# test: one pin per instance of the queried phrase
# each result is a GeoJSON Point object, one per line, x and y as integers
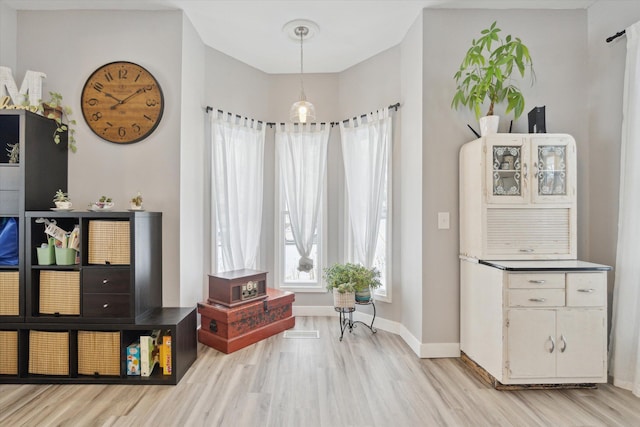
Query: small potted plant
{"type": "Point", "coordinates": [55, 110]}
{"type": "Point", "coordinates": [62, 201]}
{"type": "Point", "coordinates": [485, 75]}
{"type": "Point", "coordinates": [135, 204]}
{"type": "Point", "coordinates": [13, 151]}
{"type": "Point", "coordinates": [103, 204]}
{"type": "Point", "coordinates": [341, 278]}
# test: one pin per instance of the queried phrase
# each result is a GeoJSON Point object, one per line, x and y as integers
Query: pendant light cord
{"type": "Point", "coordinates": [302, 31]}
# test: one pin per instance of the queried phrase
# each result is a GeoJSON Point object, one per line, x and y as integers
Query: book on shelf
{"type": "Point", "coordinates": [166, 353]}
{"type": "Point", "coordinates": [149, 352]}
{"type": "Point", "coordinates": [133, 358]}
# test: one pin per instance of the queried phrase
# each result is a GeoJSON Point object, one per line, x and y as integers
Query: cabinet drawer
{"type": "Point", "coordinates": [586, 290]}
{"type": "Point", "coordinates": [537, 280]}
{"type": "Point", "coordinates": [536, 297]}
{"type": "Point", "coordinates": [106, 305]}
{"type": "Point", "coordinates": [9, 177]}
{"type": "Point", "coordinates": [106, 280]}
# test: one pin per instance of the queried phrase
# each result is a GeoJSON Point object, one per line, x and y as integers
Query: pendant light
{"type": "Point", "coordinates": [302, 111]}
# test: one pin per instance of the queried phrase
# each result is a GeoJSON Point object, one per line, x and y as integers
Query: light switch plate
{"type": "Point", "coordinates": [443, 220]}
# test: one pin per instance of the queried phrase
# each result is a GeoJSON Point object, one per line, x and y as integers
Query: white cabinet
{"type": "Point", "coordinates": [518, 197]}
{"type": "Point", "coordinates": [543, 322]}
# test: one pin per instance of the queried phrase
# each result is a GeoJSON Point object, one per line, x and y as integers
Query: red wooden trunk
{"type": "Point", "coordinates": [228, 329]}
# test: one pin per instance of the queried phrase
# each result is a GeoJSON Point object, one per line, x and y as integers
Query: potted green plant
{"type": "Point", "coordinates": [342, 277]}
{"type": "Point", "coordinates": [135, 203]}
{"type": "Point", "coordinates": [13, 151]}
{"type": "Point", "coordinates": [62, 201]}
{"type": "Point", "coordinates": [485, 74]}
{"type": "Point", "coordinates": [105, 203]}
{"type": "Point", "coordinates": [55, 110]}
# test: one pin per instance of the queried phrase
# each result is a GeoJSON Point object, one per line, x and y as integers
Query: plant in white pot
{"type": "Point", "coordinates": [342, 278]}
{"type": "Point", "coordinates": [485, 74]}
{"type": "Point", "coordinates": [62, 200]}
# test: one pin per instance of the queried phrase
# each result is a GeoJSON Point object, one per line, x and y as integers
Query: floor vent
{"type": "Point", "coordinates": [301, 334]}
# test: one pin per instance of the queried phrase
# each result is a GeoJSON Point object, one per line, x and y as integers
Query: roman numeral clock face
{"type": "Point", "coordinates": [122, 102]}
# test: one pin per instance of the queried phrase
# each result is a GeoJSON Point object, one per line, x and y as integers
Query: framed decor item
{"type": "Point", "coordinates": [122, 102]}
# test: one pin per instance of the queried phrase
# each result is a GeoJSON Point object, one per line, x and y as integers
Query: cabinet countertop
{"type": "Point", "coordinates": [542, 265]}
{"type": "Point", "coordinates": [546, 265]}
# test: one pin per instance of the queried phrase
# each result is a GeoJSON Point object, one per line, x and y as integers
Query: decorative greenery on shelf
{"type": "Point", "coordinates": [485, 73]}
{"type": "Point", "coordinates": [137, 200]}
{"type": "Point", "coordinates": [351, 276]}
{"type": "Point", "coordinates": [13, 151]}
{"type": "Point", "coordinates": [61, 196]}
{"type": "Point", "coordinates": [55, 110]}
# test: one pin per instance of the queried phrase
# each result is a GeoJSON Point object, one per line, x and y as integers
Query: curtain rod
{"type": "Point", "coordinates": [615, 36]}
{"type": "Point", "coordinates": [231, 114]}
{"type": "Point", "coordinates": [271, 124]}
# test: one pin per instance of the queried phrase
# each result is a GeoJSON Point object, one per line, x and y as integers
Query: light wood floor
{"type": "Point", "coordinates": [365, 380]}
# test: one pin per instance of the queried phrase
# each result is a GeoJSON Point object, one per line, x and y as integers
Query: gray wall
{"type": "Point", "coordinates": [8, 36]}
{"type": "Point", "coordinates": [193, 166]}
{"type": "Point", "coordinates": [411, 192]}
{"type": "Point", "coordinates": [557, 43]}
{"type": "Point", "coordinates": [606, 77]}
{"type": "Point", "coordinates": [83, 41]}
{"type": "Point", "coordinates": [579, 79]}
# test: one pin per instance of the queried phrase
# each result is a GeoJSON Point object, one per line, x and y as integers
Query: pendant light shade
{"type": "Point", "coordinates": [302, 111]}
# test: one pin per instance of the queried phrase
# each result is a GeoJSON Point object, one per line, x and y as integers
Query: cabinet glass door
{"type": "Point", "coordinates": [507, 172]}
{"type": "Point", "coordinates": [553, 177]}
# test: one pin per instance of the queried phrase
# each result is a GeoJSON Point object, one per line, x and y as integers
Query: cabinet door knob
{"type": "Point", "coordinates": [538, 282]}
{"type": "Point", "coordinates": [105, 305]}
{"type": "Point", "coordinates": [587, 291]}
{"type": "Point", "coordinates": [553, 344]}
{"type": "Point", "coordinates": [105, 281]}
{"type": "Point", "coordinates": [564, 343]}
{"type": "Point", "coordinates": [537, 299]}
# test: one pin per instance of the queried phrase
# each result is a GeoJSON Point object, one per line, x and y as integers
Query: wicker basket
{"type": "Point", "coordinates": [60, 292]}
{"type": "Point", "coordinates": [109, 242]}
{"type": "Point", "coordinates": [344, 300]}
{"type": "Point", "coordinates": [98, 353]}
{"type": "Point", "coordinates": [8, 352]}
{"type": "Point", "coordinates": [9, 293]}
{"type": "Point", "coordinates": [48, 353]}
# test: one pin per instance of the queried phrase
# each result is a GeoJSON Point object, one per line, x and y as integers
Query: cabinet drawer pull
{"type": "Point", "coordinates": [105, 305]}
{"type": "Point", "coordinates": [538, 282]}
{"type": "Point", "coordinates": [105, 281]}
{"type": "Point", "coordinates": [526, 250]}
{"type": "Point", "coordinates": [564, 343]}
{"type": "Point", "coordinates": [537, 299]}
{"type": "Point", "coordinates": [587, 291]}
{"type": "Point", "coordinates": [553, 344]}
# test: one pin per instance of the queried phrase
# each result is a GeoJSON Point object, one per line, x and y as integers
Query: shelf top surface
{"type": "Point", "coordinates": [546, 265]}
{"type": "Point", "coordinates": [90, 214]}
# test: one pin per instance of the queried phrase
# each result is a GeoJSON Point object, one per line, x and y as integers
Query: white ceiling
{"type": "Point", "coordinates": [350, 31]}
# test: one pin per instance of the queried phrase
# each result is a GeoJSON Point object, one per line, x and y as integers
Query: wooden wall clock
{"type": "Point", "coordinates": [122, 102]}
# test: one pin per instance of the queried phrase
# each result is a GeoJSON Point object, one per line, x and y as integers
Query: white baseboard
{"type": "Point", "coordinates": [425, 351]}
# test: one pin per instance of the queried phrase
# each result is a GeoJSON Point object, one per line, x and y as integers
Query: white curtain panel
{"type": "Point", "coordinates": [365, 150]}
{"type": "Point", "coordinates": [237, 156]}
{"type": "Point", "coordinates": [625, 328]}
{"type": "Point", "coordinates": [302, 156]}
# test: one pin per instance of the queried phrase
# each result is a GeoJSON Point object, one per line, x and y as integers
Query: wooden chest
{"type": "Point", "coordinates": [228, 329]}
{"type": "Point", "coordinates": [232, 288]}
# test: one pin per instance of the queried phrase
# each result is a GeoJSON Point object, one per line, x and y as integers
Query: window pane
{"type": "Point", "coordinates": [291, 258]}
